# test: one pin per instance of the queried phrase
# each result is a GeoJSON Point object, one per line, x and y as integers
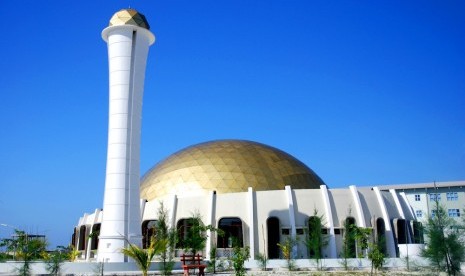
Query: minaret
{"type": "Point", "coordinates": [128, 38]}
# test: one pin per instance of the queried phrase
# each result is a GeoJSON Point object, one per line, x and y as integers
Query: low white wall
{"type": "Point", "coordinates": [337, 264]}
{"type": "Point", "coordinates": [410, 250]}
{"type": "Point", "coordinates": [84, 268]}
{"type": "Point", "coordinates": [81, 268]}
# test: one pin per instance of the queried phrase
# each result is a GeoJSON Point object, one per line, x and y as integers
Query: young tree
{"type": "Point", "coordinates": [168, 234]}
{"type": "Point", "coordinates": [55, 259]}
{"type": "Point", "coordinates": [376, 257]}
{"type": "Point", "coordinates": [362, 236]}
{"type": "Point", "coordinates": [10, 250]}
{"type": "Point", "coordinates": [444, 247]}
{"type": "Point", "coordinates": [26, 249]}
{"type": "Point", "coordinates": [348, 244]}
{"type": "Point", "coordinates": [286, 250]}
{"type": "Point", "coordinates": [196, 234]}
{"type": "Point", "coordinates": [144, 257]}
{"type": "Point", "coordinates": [240, 255]}
{"type": "Point", "coordinates": [315, 240]}
{"type": "Point", "coordinates": [212, 264]}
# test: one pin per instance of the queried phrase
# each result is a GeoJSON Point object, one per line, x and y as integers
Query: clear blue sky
{"type": "Point", "coordinates": [363, 92]}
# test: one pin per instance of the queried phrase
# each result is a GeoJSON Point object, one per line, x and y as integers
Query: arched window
{"type": "Point", "coordinates": [148, 230]}
{"type": "Point", "coordinates": [349, 238]}
{"type": "Point", "coordinates": [381, 235]}
{"type": "Point", "coordinates": [232, 228]}
{"type": "Point", "coordinates": [94, 239]}
{"type": "Point", "coordinates": [82, 238]}
{"type": "Point", "coordinates": [314, 239]}
{"type": "Point", "coordinates": [272, 227]}
{"type": "Point", "coordinates": [185, 231]}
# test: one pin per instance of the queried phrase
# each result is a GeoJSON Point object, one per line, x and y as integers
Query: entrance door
{"type": "Point", "coordinates": [272, 226]}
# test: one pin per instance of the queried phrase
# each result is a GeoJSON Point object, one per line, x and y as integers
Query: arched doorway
{"type": "Point", "coordinates": [74, 238]}
{"type": "Point", "coordinates": [349, 248]}
{"type": "Point", "coordinates": [381, 235]}
{"type": "Point", "coordinates": [94, 239]}
{"type": "Point", "coordinates": [401, 231]}
{"type": "Point", "coordinates": [314, 237]}
{"type": "Point", "coordinates": [82, 238]}
{"type": "Point", "coordinates": [272, 227]}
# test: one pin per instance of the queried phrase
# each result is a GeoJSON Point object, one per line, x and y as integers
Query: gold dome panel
{"type": "Point", "coordinates": [129, 17]}
{"type": "Point", "coordinates": [226, 166]}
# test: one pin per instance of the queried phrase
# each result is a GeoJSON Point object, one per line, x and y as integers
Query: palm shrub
{"type": "Point", "coordinates": [286, 249]}
{"type": "Point", "coordinates": [262, 261]}
{"type": "Point", "coordinates": [73, 253]}
{"type": "Point", "coordinates": [143, 257]}
{"type": "Point", "coordinates": [27, 250]}
{"type": "Point", "coordinates": [55, 260]}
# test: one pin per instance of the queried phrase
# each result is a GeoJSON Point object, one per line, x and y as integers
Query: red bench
{"type": "Point", "coordinates": [192, 262]}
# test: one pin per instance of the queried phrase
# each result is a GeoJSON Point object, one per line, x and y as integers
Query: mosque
{"type": "Point", "coordinates": [257, 194]}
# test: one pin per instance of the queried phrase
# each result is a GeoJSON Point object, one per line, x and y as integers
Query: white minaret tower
{"type": "Point", "coordinates": [128, 38]}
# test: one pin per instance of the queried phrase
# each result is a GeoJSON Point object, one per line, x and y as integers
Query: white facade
{"type": "Point", "coordinates": [127, 53]}
{"type": "Point", "coordinates": [291, 209]}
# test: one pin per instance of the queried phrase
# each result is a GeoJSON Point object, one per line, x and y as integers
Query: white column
{"type": "Point", "coordinates": [329, 221]}
{"type": "Point", "coordinates": [290, 201]}
{"type": "Point", "coordinates": [172, 214]}
{"type": "Point", "coordinates": [251, 223]}
{"type": "Point", "coordinates": [358, 206]}
{"type": "Point", "coordinates": [387, 224]}
{"type": "Point", "coordinates": [397, 202]}
{"type": "Point", "coordinates": [172, 211]}
{"type": "Point", "coordinates": [211, 222]}
{"type": "Point", "coordinates": [404, 197]}
{"type": "Point", "coordinates": [89, 241]}
{"type": "Point", "coordinates": [127, 53]}
{"type": "Point", "coordinates": [142, 208]}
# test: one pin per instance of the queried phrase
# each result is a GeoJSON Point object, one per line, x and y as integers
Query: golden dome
{"type": "Point", "coordinates": [226, 166]}
{"type": "Point", "coordinates": [129, 17]}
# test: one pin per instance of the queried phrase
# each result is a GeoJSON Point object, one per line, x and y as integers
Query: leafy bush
{"type": "Point", "coordinates": [240, 255]}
